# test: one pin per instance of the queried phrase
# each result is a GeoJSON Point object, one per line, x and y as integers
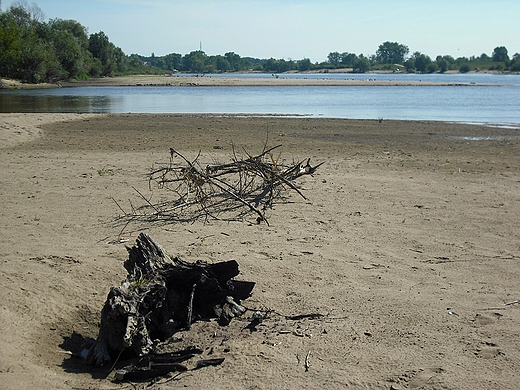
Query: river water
{"type": "Point", "coordinates": [496, 102]}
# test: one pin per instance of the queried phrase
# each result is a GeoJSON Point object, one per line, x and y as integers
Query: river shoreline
{"type": "Point", "coordinates": [202, 80]}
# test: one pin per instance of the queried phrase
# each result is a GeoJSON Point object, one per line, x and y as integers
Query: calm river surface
{"type": "Point", "coordinates": [471, 104]}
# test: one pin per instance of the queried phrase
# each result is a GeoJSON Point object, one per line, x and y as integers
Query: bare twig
{"type": "Point", "coordinates": [228, 191]}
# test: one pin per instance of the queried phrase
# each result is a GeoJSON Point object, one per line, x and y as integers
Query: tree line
{"type": "Point", "coordinates": [393, 56]}
{"type": "Point", "coordinates": [35, 51]}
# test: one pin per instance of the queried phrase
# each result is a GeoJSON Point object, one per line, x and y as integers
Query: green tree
{"type": "Point", "coordinates": [11, 45]}
{"type": "Point", "coordinates": [304, 65]}
{"type": "Point", "coordinates": [443, 65]}
{"type": "Point", "coordinates": [515, 63]}
{"type": "Point", "coordinates": [236, 63]}
{"type": "Point", "coordinates": [464, 68]}
{"type": "Point", "coordinates": [362, 64]}
{"type": "Point", "coordinates": [194, 62]}
{"type": "Point", "coordinates": [409, 65]}
{"type": "Point", "coordinates": [500, 54]}
{"type": "Point", "coordinates": [391, 53]}
{"type": "Point", "coordinates": [74, 28]}
{"type": "Point", "coordinates": [485, 58]}
{"type": "Point", "coordinates": [27, 53]}
{"type": "Point", "coordinates": [222, 64]}
{"type": "Point", "coordinates": [111, 57]}
{"type": "Point", "coordinates": [334, 58]}
{"type": "Point", "coordinates": [449, 59]}
{"type": "Point", "coordinates": [70, 42]}
{"type": "Point", "coordinates": [421, 61]}
{"type": "Point", "coordinates": [432, 67]}
{"type": "Point", "coordinates": [270, 65]}
{"type": "Point", "coordinates": [348, 59]}
{"type": "Point", "coordinates": [135, 61]}
{"type": "Point", "coordinates": [172, 61]}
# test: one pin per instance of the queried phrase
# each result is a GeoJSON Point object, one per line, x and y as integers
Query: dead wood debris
{"type": "Point", "coordinates": [229, 191]}
{"type": "Point", "coordinates": [160, 296]}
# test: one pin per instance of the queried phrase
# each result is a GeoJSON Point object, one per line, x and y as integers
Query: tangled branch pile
{"type": "Point", "coordinates": [229, 191]}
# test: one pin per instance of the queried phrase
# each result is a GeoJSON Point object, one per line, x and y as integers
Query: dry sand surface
{"type": "Point", "coordinates": [409, 245]}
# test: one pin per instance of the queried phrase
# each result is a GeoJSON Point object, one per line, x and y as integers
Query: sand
{"type": "Point", "coordinates": [281, 79]}
{"type": "Point", "coordinates": [408, 244]}
{"type": "Point", "coordinates": [275, 80]}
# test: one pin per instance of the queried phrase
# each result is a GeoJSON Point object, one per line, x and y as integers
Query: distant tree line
{"type": "Point", "coordinates": [389, 56]}
{"type": "Point", "coordinates": [393, 56]}
{"type": "Point", "coordinates": [199, 62]}
{"type": "Point", "coordinates": [35, 51]}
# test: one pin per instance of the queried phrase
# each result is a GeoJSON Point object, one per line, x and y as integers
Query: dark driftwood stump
{"type": "Point", "coordinates": [160, 296]}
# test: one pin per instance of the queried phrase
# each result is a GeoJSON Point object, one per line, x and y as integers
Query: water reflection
{"type": "Point", "coordinates": [57, 103]}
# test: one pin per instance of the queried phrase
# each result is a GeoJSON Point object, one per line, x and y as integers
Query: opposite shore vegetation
{"type": "Point", "coordinates": [35, 52]}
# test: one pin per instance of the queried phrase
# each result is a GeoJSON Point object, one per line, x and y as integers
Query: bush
{"type": "Point", "coordinates": [464, 68]}
{"type": "Point", "coordinates": [431, 68]}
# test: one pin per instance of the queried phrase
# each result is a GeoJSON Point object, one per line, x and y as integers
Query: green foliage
{"type": "Point", "coordinates": [443, 65]}
{"type": "Point", "coordinates": [500, 54]}
{"type": "Point", "coordinates": [136, 283]}
{"type": "Point", "coordinates": [304, 65]}
{"type": "Point", "coordinates": [34, 51]}
{"type": "Point", "coordinates": [279, 66]}
{"type": "Point", "coordinates": [431, 67]}
{"type": "Point", "coordinates": [111, 57]}
{"type": "Point", "coordinates": [11, 45]}
{"type": "Point", "coordinates": [362, 65]}
{"type": "Point", "coordinates": [409, 65]}
{"type": "Point", "coordinates": [464, 68]}
{"type": "Point", "coordinates": [514, 66]}
{"type": "Point", "coordinates": [348, 59]}
{"type": "Point", "coordinates": [391, 53]}
{"type": "Point", "coordinates": [334, 58]}
{"type": "Point", "coordinates": [422, 61]}
{"type": "Point", "coordinates": [105, 172]}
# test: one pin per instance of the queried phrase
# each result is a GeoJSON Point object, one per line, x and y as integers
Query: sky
{"type": "Point", "coordinates": [295, 29]}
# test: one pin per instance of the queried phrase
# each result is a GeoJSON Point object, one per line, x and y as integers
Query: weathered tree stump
{"type": "Point", "coordinates": [160, 296]}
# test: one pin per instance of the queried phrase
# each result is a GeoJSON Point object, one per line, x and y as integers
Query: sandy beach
{"type": "Point", "coordinates": [182, 80]}
{"type": "Point", "coordinates": [408, 245]}
{"type": "Point", "coordinates": [275, 80]}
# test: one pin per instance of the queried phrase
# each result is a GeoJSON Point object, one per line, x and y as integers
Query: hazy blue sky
{"type": "Point", "coordinates": [296, 29]}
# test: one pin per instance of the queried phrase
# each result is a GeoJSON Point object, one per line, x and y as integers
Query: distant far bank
{"type": "Point", "coordinates": [180, 79]}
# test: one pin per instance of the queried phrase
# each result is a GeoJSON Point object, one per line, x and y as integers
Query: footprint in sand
{"type": "Point", "coordinates": [484, 319]}
{"type": "Point", "coordinates": [488, 351]}
{"type": "Point", "coordinates": [424, 376]}
{"type": "Point", "coordinates": [417, 379]}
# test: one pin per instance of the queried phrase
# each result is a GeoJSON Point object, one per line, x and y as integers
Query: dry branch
{"type": "Point", "coordinates": [229, 191]}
